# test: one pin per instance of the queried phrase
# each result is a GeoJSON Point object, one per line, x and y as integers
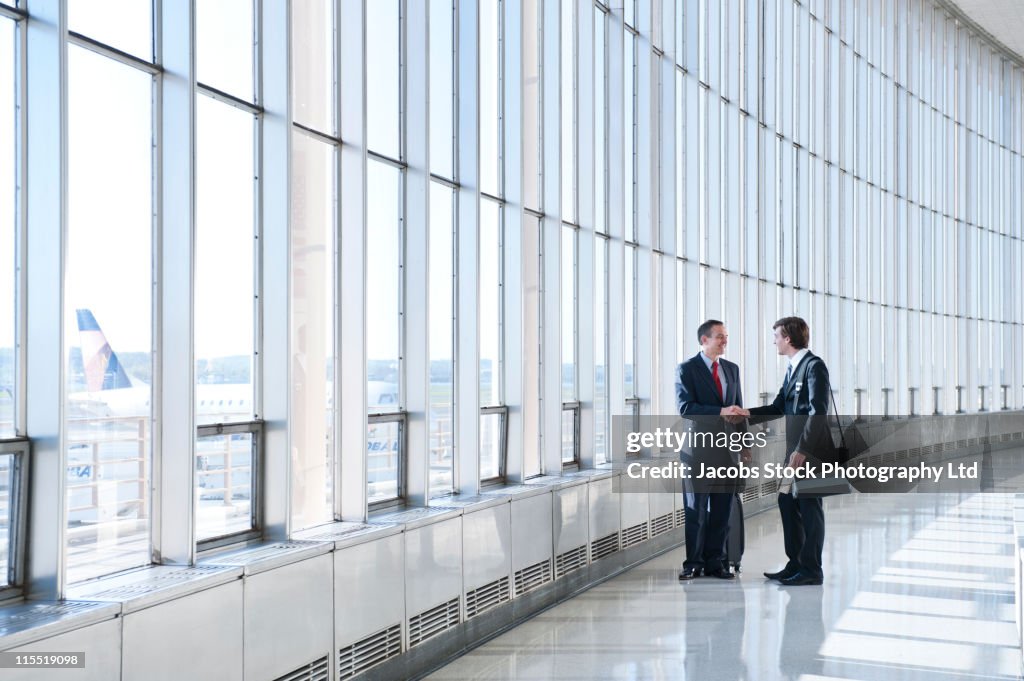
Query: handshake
{"type": "Point", "coordinates": [734, 414]}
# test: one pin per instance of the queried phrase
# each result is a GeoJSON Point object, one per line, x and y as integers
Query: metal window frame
{"type": "Point", "coordinates": [255, 531]}
{"type": "Point", "coordinates": [575, 408]}
{"type": "Point", "coordinates": [499, 479]}
{"type": "Point", "coordinates": [402, 418]}
{"type": "Point", "coordinates": [20, 449]}
{"type": "Point", "coordinates": [633, 405]}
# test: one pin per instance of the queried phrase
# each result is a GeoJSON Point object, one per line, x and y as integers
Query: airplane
{"type": "Point", "coordinates": [112, 392]}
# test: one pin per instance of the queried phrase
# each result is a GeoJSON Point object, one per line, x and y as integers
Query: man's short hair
{"type": "Point", "coordinates": [796, 330]}
{"type": "Point", "coordinates": [705, 329]}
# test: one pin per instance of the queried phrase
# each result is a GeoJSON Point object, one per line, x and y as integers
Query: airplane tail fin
{"type": "Point", "coordinates": [103, 370]}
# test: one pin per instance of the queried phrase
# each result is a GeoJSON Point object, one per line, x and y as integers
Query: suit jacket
{"type": "Point", "coordinates": [806, 395]}
{"type": "Point", "coordinates": [697, 397]}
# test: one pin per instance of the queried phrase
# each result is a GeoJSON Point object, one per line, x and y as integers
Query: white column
{"type": "Point", "coordinates": [616, 222]}
{"type": "Point", "coordinates": [417, 229]}
{"type": "Point", "coordinates": [550, 243]}
{"type": "Point", "coordinates": [352, 268]}
{"type": "Point", "coordinates": [44, 78]}
{"type": "Point", "coordinates": [274, 381]}
{"type": "Point", "coordinates": [174, 428]}
{"type": "Point", "coordinates": [467, 345]}
{"type": "Point", "coordinates": [514, 347]}
{"type": "Point", "coordinates": [587, 174]}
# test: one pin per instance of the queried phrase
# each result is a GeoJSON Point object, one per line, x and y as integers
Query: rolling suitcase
{"type": "Point", "coordinates": [736, 540]}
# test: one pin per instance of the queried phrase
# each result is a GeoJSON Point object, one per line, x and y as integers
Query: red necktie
{"type": "Point", "coordinates": [718, 381]}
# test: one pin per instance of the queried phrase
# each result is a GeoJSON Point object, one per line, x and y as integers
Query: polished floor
{"type": "Point", "coordinates": [918, 587]}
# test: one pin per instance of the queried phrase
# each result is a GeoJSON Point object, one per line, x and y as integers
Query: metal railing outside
{"type": "Point", "coordinates": [228, 487]}
{"type": "Point", "coordinates": [14, 464]}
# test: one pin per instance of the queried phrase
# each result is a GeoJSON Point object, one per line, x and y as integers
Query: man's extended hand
{"type": "Point", "coordinates": [746, 455]}
{"type": "Point", "coordinates": [734, 414]}
{"type": "Point", "coordinates": [797, 460]}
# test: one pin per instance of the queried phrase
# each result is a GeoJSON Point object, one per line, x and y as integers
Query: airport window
{"type": "Point", "coordinates": [629, 133]}
{"type": "Point", "coordinates": [442, 340]}
{"type": "Point", "coordinates": [225, 259]}
{"type": "Point", "coordinates": [600, 121]}
{"type": "Point", "coordinates": [532, 104]}
{"type": "Point", "coordinates": [125, 26]}
{"type": "Point", "coordinates": [493, 444]}
{"type": "Point", "coordinates": [491, 72]}
{"type": "Point", "coordinates": [13, 504]}
{"type": "Point", "coordinates": [629, 320]}
{"type": "Point", "coordinates": [602, 418]}
{"type": "Point", "coordinates": [313, 59]}
{"type": "Point", "coordinates": [568, 110]}
{"type": "Point", "coordinates": [225, 41]}
{"type": "Point", "coordinates": [227, 479]}
{"type": "Point", "coordinates": [384, 58]}
{"type": "Point", "coordinates": [108, 314]}
{"type": "Point", "coordinates": [385, 464]}
{"type": "Point", "coordinates": [442, 88]}
{"type": "Point", "coordinates": [570, 435]}
{"type": "Point", "coordinates": [9, 231]}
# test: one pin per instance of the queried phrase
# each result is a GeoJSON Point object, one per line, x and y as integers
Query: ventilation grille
{"type": "Point", "coordinates": [680, 517]}
{"type": "Point", "coordinates": [370, 651]}
{"type": "Point", "coordinates": [750, 494]}
{"type": "Point", "coordinates": [1018, 436]}
{"type": "Point", "coordinates": [486, 597]}
{"type": "Point", "coordinates": [156, 581]}
{"type": "Point", "coordinates": [532, 576]}
{"type": "Point", "coordinates": [605, 546]}
{"type": "Point", "coordinates": [434, 621]}
{"type": "Point", "coordinates": [661, 524]}
{"type": "Point", "coordinates": [631, 536]}
{"type": "Point", "coordinates": [769, 488]}
{"type": "Point", "coordinates": [314, 671]}
{"type": "Point", "coordinates": [571, 560]}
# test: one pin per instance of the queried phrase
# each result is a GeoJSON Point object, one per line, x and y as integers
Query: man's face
{"type": "Point", "coordinates": [781, 342]}
{"type": "Point", "coordinates": [715, 342]}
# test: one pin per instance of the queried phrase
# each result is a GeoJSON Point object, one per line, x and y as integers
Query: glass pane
{"type": "Point", "coordinates": [8, 233]}
{"type": "Point", "coordinates": [490, 303]}
{"type": "Point", "coordinates": [224, 295]}
{"type": "Point", "coordinates": [568, 274]}
{"type": "Point", "coordinates": [383, 458]}
{"type": "Point", "coordinates": [224, 46]}
{"type": "Point", "coordinates": [383, 286]}
{"type": "Point", "coordinates": [312, 330]}
{"type": "Point", "coordinates": [629, 317]}
{"type": "Point", "coordinates": [568, 113]}
{"type": "Point", "coordinates": [490, 97]}
{"type": "Point", "coordinates": [313, 64]}
{"type": "Point", "coordinates": [107, 421]}
{"type": "Point", "coordinates": [568, 436]}
{"type": "Point", "coordinates": [600, 350]}
{"type": "Point", "coordinates": [224, 485]}
{"type": "Point", "coordinates": [383, 77]}
{"type": "Point", "coordinates": [442, 337]}
{"type": "Point", "coordinates": [600, 109]}
{"type": "Point", "coordinates": [629, 133]}
{"type": "Point", "coordinates": [6, 489]}
{"type": "Point", "coordinates": [491, 453]}
{"type": "Point", "coordinates": [442, 88]}
{"type": "Point", "coordinates": [124, 24]}
{"type": "Point", "coordinates": [531, 104]}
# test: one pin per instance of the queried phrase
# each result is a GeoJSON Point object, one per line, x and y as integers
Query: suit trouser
{"type": "Point", "coordinates": [803, 531]}
{"type": "Point", "coordinates": [707, 528]}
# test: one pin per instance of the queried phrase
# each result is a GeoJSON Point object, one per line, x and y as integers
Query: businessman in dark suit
{"type": "Point", "coordinates": [804, 398]}
{"type": "Point", "coordinates": [708, 388]}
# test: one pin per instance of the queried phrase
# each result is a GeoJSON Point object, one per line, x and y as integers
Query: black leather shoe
{"type": "Point", "coordinates": [780, 575]}
{"type": "Point", "coordinates": [802, 579]}
{"type": "Point", "coordinates": [688, 573]}
{"type": "Point", "coordinates": [720, 573]}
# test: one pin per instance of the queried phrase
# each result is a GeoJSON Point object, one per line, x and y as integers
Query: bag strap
{"type": "Point", "coordinates": [804, 367]}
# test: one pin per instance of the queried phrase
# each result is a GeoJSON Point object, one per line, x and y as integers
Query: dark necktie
{"type": "Point", "coordinates": [789, 373]}
{"type": "Point", "coordinates": [718, 381]}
